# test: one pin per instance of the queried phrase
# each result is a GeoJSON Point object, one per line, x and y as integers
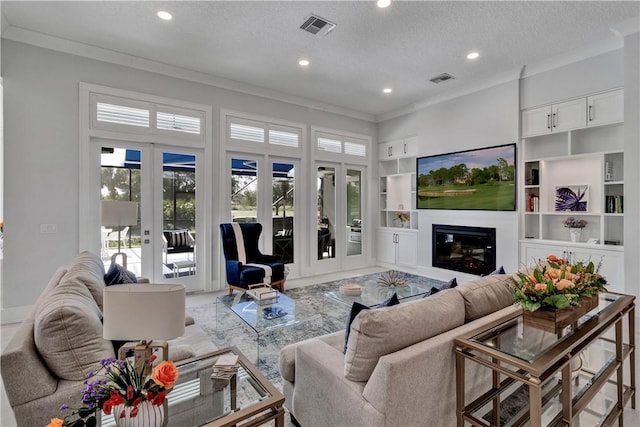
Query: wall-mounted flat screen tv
{"type": "Point", "coordinates": [478, 179]}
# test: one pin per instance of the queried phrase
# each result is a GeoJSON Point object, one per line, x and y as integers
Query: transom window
{"type": "Point", "coordinates": [120, 114]}
{"type": "Point", "coordinates": [241, 130]}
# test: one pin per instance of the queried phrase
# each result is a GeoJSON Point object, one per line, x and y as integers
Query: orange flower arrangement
{"type": "Point", "coordinates": [557, 284]}
{"type": "Point", "coordinates": [120, 382]}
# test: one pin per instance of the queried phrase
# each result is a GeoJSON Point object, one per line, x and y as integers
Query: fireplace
{"type": "Point", "coordinates": [467, 249]}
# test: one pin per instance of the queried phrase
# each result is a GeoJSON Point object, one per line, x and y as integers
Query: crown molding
{"type": "Point", "coordinates": [46, 41]}
{"type": "Point", "coordinates": [626, 28]}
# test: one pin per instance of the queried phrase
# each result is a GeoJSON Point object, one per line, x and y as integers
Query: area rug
{"type": "Point", "coordinates": [225, 328]}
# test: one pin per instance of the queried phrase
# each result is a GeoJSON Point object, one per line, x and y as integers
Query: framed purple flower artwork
{"type": "Point", "coordinates": [572, 198]}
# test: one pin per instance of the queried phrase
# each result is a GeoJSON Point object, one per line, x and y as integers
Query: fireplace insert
{"type": "Point", "coordinates": [467, 249]}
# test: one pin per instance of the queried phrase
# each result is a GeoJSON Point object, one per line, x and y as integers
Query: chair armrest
{"type": "Point", "coordinates": [233, 271]}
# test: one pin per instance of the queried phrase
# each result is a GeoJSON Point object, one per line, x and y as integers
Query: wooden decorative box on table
{"type": "Point", "coordinates": [556, 320]}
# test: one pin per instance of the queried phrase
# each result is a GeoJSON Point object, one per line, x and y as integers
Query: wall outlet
{"type": "Point", "coordinates": [48, 228]}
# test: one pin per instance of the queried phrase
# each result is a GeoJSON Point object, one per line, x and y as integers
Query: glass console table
{"type": "Point", "coordinates": [583, 367]}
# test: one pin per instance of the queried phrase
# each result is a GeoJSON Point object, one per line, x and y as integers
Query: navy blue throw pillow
{"type": "Point", "coordinates": [496, 271]}
{"type": "Point", "coordinates": [452, 284]}
{"type": "Point", "coordinates": [118, 275]}
{"type": "Point", "coordinates": [357, 308]}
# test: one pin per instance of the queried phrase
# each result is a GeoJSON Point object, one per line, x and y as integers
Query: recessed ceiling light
{"type": "Point", "coordinates": [163, 14]}
{"type": "Point", "coordinates": [473, 55]}
{"type": "Point", "coordinates": [387, 90]}
{"type": "Point", "coordinates": [383, 3]}
{"type": "Point", "coordinates": [303, 62]}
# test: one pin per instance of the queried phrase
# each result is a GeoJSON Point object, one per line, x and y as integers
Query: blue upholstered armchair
{"type": "Point", "coordinates": [245, 264]}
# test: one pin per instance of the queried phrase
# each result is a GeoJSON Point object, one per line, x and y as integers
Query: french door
{"type": "Point", "coordinates": [263, 189]}
{"type": "Point", "coordinates": [337, 240]}
{"type": "Point", "coordinates": [165, 243]}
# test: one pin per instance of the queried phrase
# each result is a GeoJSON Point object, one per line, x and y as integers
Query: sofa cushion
{"type": "Point", "coordinates": [375, 333]}
{"type": "Point", "coordinates": [357, 308]}
{"type": "Point", "coordinates": [68, 329]}
{"type": "Point", "coordinates": [88, 268]}
{"type": "Point", "coordinates": [486, 295]}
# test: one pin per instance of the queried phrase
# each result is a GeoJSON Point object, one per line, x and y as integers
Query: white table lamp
{"type": "Point", "coordinates": [143, 312]}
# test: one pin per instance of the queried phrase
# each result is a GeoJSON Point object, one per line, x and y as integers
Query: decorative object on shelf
{"type": "Point", "coordinates": [121, 387]}
{"type": "Point", "coordinates": [575, 227]}
{"type": "Point", "coordinates": [391, 279]}
{"type": "Point", "coordinates": [403, 217]}
{"type": "Point", "coordinates": [556, 284]}
{"type": "Point", "coordinates": [572, 198]}
{"type": "Point", "coordinates": [351, 289]}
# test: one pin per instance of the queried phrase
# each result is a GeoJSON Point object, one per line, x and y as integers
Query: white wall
{"type": "Point", "coordinates": [41, 134]}
{"type": "Point", "coordinates": [632, 159]}
{"type": "Point", "coordinates": [594, 74]}
{"type": "Point", "coordinates": [481, 119]}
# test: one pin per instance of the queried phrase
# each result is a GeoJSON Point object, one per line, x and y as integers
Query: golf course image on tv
{"type": "Point", "coordinates": [478, 179]}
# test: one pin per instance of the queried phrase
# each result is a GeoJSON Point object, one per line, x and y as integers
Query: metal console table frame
{"type": "Point", "coordinates": [505, 347]}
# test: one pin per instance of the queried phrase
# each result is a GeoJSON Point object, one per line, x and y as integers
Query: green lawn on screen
{"type": "Point", "coordinates": [489, 196]}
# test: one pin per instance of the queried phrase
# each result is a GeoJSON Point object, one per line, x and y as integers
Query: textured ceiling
{"type": "Point", "coordinates": [403, 46]}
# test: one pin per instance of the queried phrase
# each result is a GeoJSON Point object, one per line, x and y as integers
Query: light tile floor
{"type": "Point", "coordinates": [631, 416]}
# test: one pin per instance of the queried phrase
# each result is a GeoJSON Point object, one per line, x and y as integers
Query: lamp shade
{"type": "Point", "coordinates": [143, 311]}
{"type": "Point", "coordinates": [118, 213]}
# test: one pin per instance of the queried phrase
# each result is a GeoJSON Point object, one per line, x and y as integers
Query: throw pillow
{"type": "Point", "coordinates": [499, 270]}
{"type": "Point", "coordinates": [357, 308]}
{"type": "Point", "coordinates": [449, 285]}
{"type": "Point", "coordinates": [118, 275]}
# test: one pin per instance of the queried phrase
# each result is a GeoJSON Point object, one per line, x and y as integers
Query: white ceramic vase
{"type": "Point", "coordinates": [575, 234]}
{"type": "Point", "coordinates": [149, 415]}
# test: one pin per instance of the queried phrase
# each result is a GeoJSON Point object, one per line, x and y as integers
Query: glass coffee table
{"type": "Point", "coordinates": [200, 398]}
{"type": "Point", "coordinates": [337, 304]}
{"type": "Point", "coordinates": [264, 318]}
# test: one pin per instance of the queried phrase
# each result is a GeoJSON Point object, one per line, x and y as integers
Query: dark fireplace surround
{"type": "Point", "coordinates": [466, 249]}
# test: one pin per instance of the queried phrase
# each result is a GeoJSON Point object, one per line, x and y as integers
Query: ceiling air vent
{"type": "Point", "coordinates": [442, 78]}
{"type": "Point", "coordinates": [317, 26]}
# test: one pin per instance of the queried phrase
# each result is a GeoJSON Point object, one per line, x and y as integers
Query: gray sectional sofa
{"type": "Point", "coordinates": [399, 366]}
{"type": "Point", "coordinates": [60, 342]}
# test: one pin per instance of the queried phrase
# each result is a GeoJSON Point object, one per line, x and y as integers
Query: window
{"type": "Point", "coordinates": [240, 130]}
{"type": "Point", "coordinates": [119, 114]}
{"type": "Point", "coordinates": [329, 143]}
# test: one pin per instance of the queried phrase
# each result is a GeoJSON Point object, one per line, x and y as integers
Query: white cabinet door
{"type": "Point", "coordinates": [410, 147]}
{"type": "Point", "coordinates": [386, 246]}
{"type": "Point", "coordinates": [385, 151]}
{"type": "Point", "coordinates": [605, 108]}
{"type": "Point", "coordinates": [536, 121]}
{"type": "Point", "coordinates": [569, 115]}
{"type": "Point", "coordinates": [611, 264]}
{"type": "Point", "coordinates": [407, 248]}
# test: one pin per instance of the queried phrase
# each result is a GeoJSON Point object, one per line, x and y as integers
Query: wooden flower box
{"type": "Point", "coordinates": [556, 320]}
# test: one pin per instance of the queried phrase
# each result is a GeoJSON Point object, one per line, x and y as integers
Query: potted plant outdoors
{"type": "Point", "coordinates": [575, 227]}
